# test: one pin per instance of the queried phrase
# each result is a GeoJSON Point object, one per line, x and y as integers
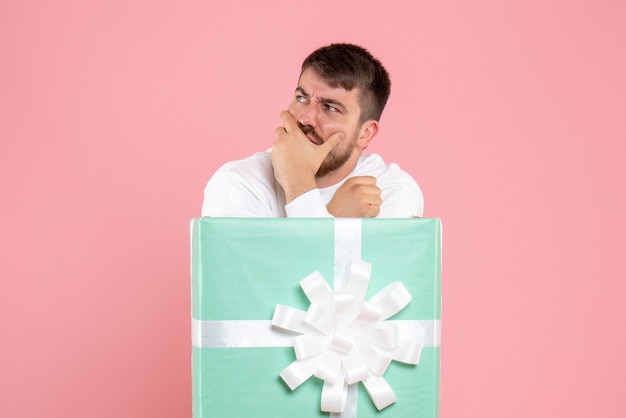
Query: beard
{"type": "Point", "coordinates": [335, 159]}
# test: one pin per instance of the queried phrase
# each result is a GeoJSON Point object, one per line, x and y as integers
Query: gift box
{"type": "Point", "coordinates": [246, 272]}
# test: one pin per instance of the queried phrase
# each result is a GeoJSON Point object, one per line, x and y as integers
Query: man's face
{"type": "Point", "coordinates": [323, 112]}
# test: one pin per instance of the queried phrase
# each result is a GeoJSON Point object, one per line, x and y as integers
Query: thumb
{"type": "Point", "coordinates": [328, 146]}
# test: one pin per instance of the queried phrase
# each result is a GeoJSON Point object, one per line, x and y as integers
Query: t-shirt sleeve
{"type": "Point", "coordinates": [228, 195]}
{"type": "Point", "coordinates": [402, 197]}
{"type": "Point", "coordinates": [307, 205]}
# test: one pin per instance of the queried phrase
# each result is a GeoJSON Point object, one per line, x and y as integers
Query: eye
{"type": "Point", "coordinates": [301, 99]}
{"type": "Point", "coordinates": [331, 108]}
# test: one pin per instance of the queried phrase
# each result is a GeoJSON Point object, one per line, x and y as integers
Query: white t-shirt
{"type": "Point", "coordinates": [247, 188]}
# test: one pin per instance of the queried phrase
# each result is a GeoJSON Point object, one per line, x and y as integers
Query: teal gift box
{"type": "Point", "coordinates": [243, 268]}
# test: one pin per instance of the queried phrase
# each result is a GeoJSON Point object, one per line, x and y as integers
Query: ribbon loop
{"type": "Point", "coordinates": [355, 367]}
{"type": "Point", "coordinates": [380, 392]}
{"type": "Point", "coordinates": [299, 372]}
{"type": "Point", "coordinates": [342, 344]}
{"type": "Point", "coordinates": [408, 352]}
{"type": "Point", "coordinates": [309, 345]}
{"type": "Point", "coordinates": [328, 367]}
{"type": "Point", "coordinates": [290, 319]}
{"type": "Point", "coordinates": [392, 299]}
{"type": "Point", "coordinates": [334, 396]}
{"type": "Point", "coordinates": [369, 313]}
{"type": "Point", "coordinates": [377, 362]}
{"type": "Point", "coordinates": [385, 334]}
{"type": "Point", "coordinates": [320, 318]}
{"type": "Point", "coordinates": [316, 288]}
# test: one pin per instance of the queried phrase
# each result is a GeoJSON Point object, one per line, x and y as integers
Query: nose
{"type": "Point", "coordinates": [308, 114]}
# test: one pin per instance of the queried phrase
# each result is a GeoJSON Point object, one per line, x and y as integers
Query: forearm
{"type": "Point", "coordinates": [307, 205]}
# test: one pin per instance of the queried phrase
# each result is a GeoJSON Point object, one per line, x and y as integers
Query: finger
{"type": "Point", "coordinates": [373, 211]}
{"type": "Point", "coordinates": [366, 186]}
{"type": "Point", "coordinates": [367, 189]}
{"type": "Point", "coordinates": [365, 180]}
{"type": "Point", "coordinates": [328, 146]}
{"type": "Point", "coordinates": [290, 123]}
{"type": "Point", "coordinates": [376, 201]}
{"type": "Point", "coordinates": [279, 131]}
{"type": "Point", "coordinates": [368, 179]}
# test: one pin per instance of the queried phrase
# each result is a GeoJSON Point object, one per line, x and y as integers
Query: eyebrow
{"type": "Point", "coordinates": [323, 100]}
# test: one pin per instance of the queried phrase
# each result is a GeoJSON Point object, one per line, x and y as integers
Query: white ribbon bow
{"type": "Point", "coordinates": [345, 339]}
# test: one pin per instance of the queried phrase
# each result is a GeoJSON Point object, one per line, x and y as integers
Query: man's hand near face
{"type": "Point", "coordinates": [295, 159]}
{"type": "Point", "coordinates": [358, 197]}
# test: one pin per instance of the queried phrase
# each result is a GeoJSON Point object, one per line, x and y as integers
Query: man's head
{"type": "Point", "coordinates": [351, 66]}
{"type": "Point", "coordinates": [341, 93]}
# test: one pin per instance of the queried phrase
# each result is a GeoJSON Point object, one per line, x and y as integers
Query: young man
{"type": "Point", "coordinates": [316, 167]}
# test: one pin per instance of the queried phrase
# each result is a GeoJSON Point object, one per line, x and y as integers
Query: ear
{"type": "Point", "coordinates": [368, 131]}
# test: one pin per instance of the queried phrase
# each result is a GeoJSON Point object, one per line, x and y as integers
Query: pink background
{"type": "Point", "coordinates": [113, 115]}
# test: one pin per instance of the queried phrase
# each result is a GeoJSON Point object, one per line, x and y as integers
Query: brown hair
{"type": "Point", "coordinates": [351, 66]}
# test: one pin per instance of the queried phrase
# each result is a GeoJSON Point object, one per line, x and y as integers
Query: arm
{"type": "Point", "coordinates": [402, 197]}
{"type": "Point", "coordinates": [224, 197]}
{"type": "Point", "coordinates": [243, 188]}
{"type": "Point", "coordinates": [358, 197]}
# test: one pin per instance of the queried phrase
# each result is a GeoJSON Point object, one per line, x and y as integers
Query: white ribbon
{"type": "Point", "coordinates": [344, 339]}
{"type": "Point", "coordinates": [258, 333]}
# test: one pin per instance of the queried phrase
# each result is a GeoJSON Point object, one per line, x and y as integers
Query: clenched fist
{"type": "Point", "coordinates": [358, 197]}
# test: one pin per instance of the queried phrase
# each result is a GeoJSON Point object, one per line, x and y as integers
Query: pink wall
{"type": "Point", "coordinates": [113, 114]}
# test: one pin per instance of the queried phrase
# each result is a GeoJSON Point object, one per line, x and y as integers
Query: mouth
{"type": "Point", "coordinates": [311, 134]}
{"type": "Point", "coordinates": [313, 139]}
